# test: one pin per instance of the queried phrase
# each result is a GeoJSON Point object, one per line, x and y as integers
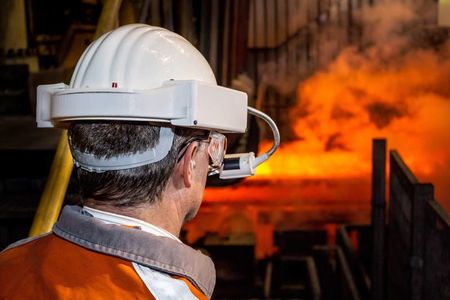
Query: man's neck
{"type": "Point", "coordinates": [156, 214]}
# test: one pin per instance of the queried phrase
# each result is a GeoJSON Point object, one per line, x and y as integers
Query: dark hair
{"type": "Point", "coordinates": [128, 187]}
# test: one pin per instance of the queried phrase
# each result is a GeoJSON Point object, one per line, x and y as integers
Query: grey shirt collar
{"type": "Point", "coordinates": [159, 253]}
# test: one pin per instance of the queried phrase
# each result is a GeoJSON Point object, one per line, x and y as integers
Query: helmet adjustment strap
{"type": "Point", "coordinates": [92, 163]}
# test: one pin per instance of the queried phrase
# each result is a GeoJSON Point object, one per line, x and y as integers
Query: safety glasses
{"type": "Point", "coordinates": [216, 150]}
{"type": "Point", "coordinates": [217, 146]}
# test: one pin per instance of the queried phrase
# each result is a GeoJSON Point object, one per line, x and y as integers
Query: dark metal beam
{"type": "Point", "coordinates": [378, 216]}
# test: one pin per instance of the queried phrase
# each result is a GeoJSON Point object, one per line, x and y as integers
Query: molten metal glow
{"type": "Point", "coordinates": [393, 90]}
{"type": "Point", "coordinates": [323, 177]}
{"type": "Point", "coordinates": [341, 109]}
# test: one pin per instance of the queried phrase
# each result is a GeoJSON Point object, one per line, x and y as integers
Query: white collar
{"type": "Point", "coordinates": [112, 218]}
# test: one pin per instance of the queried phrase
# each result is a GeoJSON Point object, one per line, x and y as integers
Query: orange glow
{"type": "Point", "coordinates": [322, 178]}
{"type": "Point", "coordinates": [287, 204]}
{"type": "Point", "coordinates": [357, 98]}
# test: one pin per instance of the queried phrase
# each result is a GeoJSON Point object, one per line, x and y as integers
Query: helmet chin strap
{"type": "Point", "coordinates": [92, 163]}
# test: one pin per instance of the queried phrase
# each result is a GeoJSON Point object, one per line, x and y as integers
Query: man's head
{"type": "Point", "coordinates": [134, 57]}
{"type": "Point", "coordinates": [134, 162]}
{"type": "Point", "coordinates": [184, 167]}
{"type": "Point", "coordinates": [135, 105]}
{"type": "Point", "coordinates": [141, 73]}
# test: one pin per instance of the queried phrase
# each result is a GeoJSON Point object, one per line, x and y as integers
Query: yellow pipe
{"type": "Point", "coordinates": [55, 189]}
{"type": "Point", "coordinates": [127, 14]}
{"type": "Point", "coordinates": [56, 186]}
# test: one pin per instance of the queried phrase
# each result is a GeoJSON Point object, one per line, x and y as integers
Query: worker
{"type": "Point", "coordinates": [145, 120]}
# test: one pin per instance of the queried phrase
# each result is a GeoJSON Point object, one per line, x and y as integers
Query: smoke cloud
{"type": "Point", "coordinates": [397, 86]}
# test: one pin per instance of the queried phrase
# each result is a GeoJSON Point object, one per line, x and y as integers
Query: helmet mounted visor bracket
{"type": "Point", "coordinates": [185, 103]}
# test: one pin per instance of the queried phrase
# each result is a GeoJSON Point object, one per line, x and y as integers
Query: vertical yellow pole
{"type": "Point", "coordinates": [55, 189]}
{"type": "Point", "coordinates": [127, 14]}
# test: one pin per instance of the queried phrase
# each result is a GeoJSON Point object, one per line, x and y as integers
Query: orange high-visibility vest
{"type": "Point", "coordinates": [75, 263]}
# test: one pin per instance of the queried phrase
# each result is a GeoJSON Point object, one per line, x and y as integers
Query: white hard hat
{"type": "Point", "coordinates": [139, 56]}
{"type": "Point", "coordinates": [140, 72]}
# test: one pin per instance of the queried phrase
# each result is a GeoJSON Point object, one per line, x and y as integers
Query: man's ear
{"type": "Point", "coordinates": [188, 164]}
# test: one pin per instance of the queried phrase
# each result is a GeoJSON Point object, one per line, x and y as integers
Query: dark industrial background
{"type": "Point", "coordinates": [382, 236]}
